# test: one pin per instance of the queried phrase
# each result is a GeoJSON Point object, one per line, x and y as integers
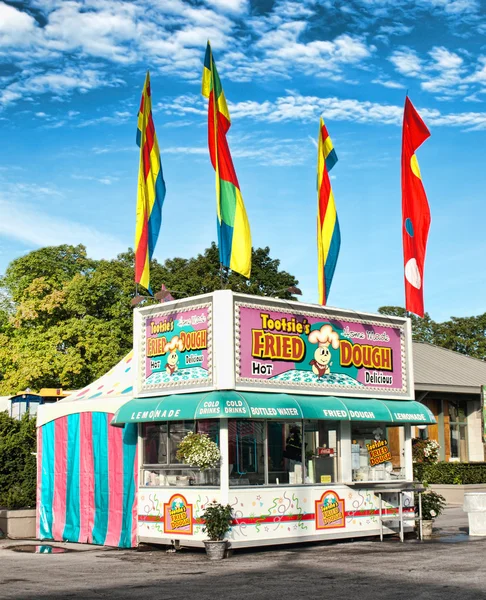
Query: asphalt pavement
{"type": "Point", "coordinates": [451, 565]}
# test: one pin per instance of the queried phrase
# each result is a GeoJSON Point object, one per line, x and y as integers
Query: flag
{"type": "Point", "coordinates": [328, 233]}
{"type": "Point", "coordinates": [234, 236]}
{"type": "Point", "coordinates": [151, 190]}
{"type": "Point", "coordinates": [167, 296]}
{"type": "Point", "coordinates": [415, 210]}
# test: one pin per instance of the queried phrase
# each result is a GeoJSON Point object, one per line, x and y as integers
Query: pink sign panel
{"type": "Point", "coordinates": [315, 351]}
{"type": "Point", "coordinates": [177, 348]}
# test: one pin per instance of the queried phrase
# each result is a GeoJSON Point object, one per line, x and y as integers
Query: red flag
{"type": "Point", "coordinates": [415, 210]}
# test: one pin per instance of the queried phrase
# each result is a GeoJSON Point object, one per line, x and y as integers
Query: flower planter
{"type": "Point", "coordinates": [215, 550]}
{"type": "Point", "coordinates": [427, 527]}
{"type": "Point", "coordinates": [18, 524]}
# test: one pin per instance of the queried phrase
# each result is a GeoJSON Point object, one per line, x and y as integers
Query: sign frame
{"type": "Point", "coordinates": [166, 310]}
{"type": "Point", "coordinates": [406, 392]}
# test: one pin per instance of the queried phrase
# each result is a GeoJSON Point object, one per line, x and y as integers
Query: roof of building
{"type": "Point", "coordinates": [442, 370]}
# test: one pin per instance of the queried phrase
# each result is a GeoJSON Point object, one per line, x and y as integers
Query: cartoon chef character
{"type": "Point", "coordinates": [323, 337]}
{"type": "Point", "coordinates": [173, 358]}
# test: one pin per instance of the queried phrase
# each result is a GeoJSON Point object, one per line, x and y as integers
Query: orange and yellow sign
{"type": "Point", "coordinates": [178, 515]}
{"type": "Point", "coordinates": [330, 511]}
{"type": "Point", "coordinates": [379, 452]}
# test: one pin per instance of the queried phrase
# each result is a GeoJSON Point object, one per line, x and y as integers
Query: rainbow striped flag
{"type": "Point", "coordinates": [234, 236]}
{"type": "Point", "coordinates": [328, 234]}
{"type": "Point", "coordinates": [151, 190]}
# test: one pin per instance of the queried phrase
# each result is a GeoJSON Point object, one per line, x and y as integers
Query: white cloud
{"type": "Point", "coordinates": [442, 71]}
{"type": "Point", "coordinates": [236, 6]}
{"type": "Point", "coordinates": [15, 26]}
{"type": "Point", "coordinates": [107, 180]}
{"type": "Point", "coordinates": [114, 149]}
{"type": "Point", "coordinates": [58, 82]}
{"type": "Point", "coordinates": [393, 85]}
{"type": "Point", "coordinates": [298, 107]}
{"type": "Point", "coordinates": [407, 62]}
{"type": "Point", "coordinates": [267, 151]}
{"type": "Point", "coordinates": [448, 66]}
{"type": "Point", "coordinates": [103, 33]}
{"type": "Point", "coordinates": [32, 189]}
{"type": "Point", "coordinates": [283, 53]}
{"type": "Point", "coordinates": [117, 118]}
{"type": "Point", "coordinates": [454, 7]}
{"type": "Point", "coordinates": [449, 8]}
{"type": "Point", "coordinates": [74, 50]}
{"type": "Point", "coordinates": [479, 75]}
{"type": "Point", "coordinates": [21, 221]}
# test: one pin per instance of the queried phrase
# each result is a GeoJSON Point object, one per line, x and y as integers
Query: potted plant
{"type": "Point", "coordinates": [198, 450]}
{"type": "Point", "coordinates": [425, 451]}
{"type": "Point", "coordinates": [217, 522]}
{"type": "Point", "coordinates": [433, 505]}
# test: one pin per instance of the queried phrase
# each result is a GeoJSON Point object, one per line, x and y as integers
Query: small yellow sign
{"type": "Point", "coordinates": [326, 479]}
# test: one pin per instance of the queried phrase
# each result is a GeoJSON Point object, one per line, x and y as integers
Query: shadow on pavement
{"type": "Point", "coordinates": [360, 570]}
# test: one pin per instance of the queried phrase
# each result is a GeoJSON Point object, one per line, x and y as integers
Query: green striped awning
{"type": "Point", "coordinates": [256, 405]}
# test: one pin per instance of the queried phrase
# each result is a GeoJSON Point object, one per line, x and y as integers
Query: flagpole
{"type": "Point", "coordinates": [216, 164]}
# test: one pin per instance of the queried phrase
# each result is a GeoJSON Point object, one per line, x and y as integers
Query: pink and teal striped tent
{"type": "Point", "coordinates": [87, 471]}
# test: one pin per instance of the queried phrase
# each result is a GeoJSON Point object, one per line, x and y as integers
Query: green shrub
{"type": "Point", "coordinates": [17, 461]}
{"type": "Point", "coordinates": [450, 473]}
{"type": "Point", "coordinates": [217, 520]}
{"type": "Point", "coordinates": [433, 505]}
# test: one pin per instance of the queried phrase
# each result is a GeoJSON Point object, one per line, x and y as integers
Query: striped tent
{"type": "Point", "coordinates": [87, 473]}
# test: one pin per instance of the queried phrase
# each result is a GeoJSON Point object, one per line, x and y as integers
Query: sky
{"type": "Point", "coordinates": [71, 76]}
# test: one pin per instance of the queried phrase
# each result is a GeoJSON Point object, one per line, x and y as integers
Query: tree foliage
{"type": "Point", "coordinates": [423, 330]}
{"type": "Point", "coordinates": [66, 319]}
{"type": "Point", "coordinates": [69, 318]}
{"type": "Point", "coordinates": [202, 274]}
{"type": "Point", "coordinates": [466, 335]}
{"type": "Point", "coordinates": [17, 461]}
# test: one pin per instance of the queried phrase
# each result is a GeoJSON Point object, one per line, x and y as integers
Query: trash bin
{"type": "Point", "coordinates": [475, 507]}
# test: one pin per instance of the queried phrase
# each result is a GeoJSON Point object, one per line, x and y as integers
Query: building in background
{"type": "Point", "coordinates": [449, 384]}
{"type": "Point", "coordinates": [28, 401]}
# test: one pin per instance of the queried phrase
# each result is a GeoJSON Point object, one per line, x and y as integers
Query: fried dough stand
{"type": "Point", "coordinates": [311, 407]}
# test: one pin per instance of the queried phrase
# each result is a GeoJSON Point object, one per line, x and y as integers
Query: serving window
{"type": "Point", "coordinates": [282, 452]}
{"type": "Point", "coordinates": [377, 452]}
{"type": "Point", "coordinates": [159, 447]}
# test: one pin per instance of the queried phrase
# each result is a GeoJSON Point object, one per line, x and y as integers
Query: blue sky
{"type": "Point", "coordinates": [71, 75]}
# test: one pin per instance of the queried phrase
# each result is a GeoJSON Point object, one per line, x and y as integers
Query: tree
{"type": "Point", "coordinates": [53, 264]}
{"type": "Point", "coordinates": [202, 274]}
{"type": "Point", "coordinates": [70, 318]}
{"type": "Point", "coordinates": [464, 334]}
{"type": "Point", "coordinates": [17, 461]}
{"type": "Point", "coordinates": [66, 319]}
{"type": "Point", "coordinates": [423, 330]}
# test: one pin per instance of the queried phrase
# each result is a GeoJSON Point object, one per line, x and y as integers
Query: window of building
{"type": "Point", "coordinates": [458, 431]}
{"type": "Point", "coordinates": [160, 464]}
{"type": "Point", "coordinates": [377, 452]}
{"type": "Point", "coordinates": [282, 452]}
{"type": "Point", "coordinates": [285, 452]}
{"type": "Point", "coordinates": [321, 451]}
{"type": "Point", "coordinates": [246, 446]}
